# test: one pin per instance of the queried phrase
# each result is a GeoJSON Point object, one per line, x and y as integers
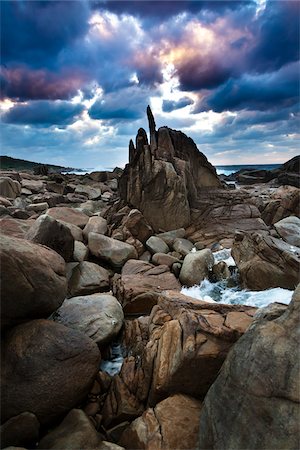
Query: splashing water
{"type": "Point", "coordinates": [114, 364]}
{"type": "Point", "coordinates": [219, 292]}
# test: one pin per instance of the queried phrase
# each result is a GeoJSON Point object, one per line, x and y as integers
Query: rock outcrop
{"type": "Point", "coordinates": [163, 179]}
{"type": "Point", "coordinates": [258, 385]}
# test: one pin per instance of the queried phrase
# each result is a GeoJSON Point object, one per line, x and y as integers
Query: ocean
{"type": "Point", "coordinates": [228, 170]}
{"type": "Point", "coordinates": [221, 170]}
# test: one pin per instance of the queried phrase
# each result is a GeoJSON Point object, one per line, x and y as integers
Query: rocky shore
{"type": "Point", "coordinates": [91, 262]}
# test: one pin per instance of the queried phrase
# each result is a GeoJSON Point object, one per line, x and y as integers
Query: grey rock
{"type": "Point", "coordinates": [289, 230]}
{"type": "Point", "coordinates": [110, 250]}
{"type": "Point", "coordinates": [183, 246]}
{"type": "Point", "coordinates": [196, 267]}
{"type": "Point", "coordinates": [88, 278]}
{"type": "Point", "coordinates": [156, 245]}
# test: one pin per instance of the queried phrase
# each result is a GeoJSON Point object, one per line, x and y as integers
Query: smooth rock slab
{"type": "Point", "coordinates": [110, 250]}
{"type": "Point", "coordinates": [33, 280]}
{"type": "Point", "coordinates": [47, 369]}
{"type": "Point", "coordinates": [99, 316]}
{"type": "Point", "coordinates": [88, 278]}
{"type": "Point", "coordinates": [69, 215]}
{"type": "Point", "coordinates": [52, 233]}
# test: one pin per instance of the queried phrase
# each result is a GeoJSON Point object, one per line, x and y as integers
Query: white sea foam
{"type": "Point", "coordinates": [224, 255]}
{"type": "Point", "coordinates": [113, 366]}
{"type": "Point", "coordinates": [219, 292]}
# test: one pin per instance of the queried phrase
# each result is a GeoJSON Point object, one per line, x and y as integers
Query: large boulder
{"type": "Point", "coordinates": [258, 385]}
{"type": "Point", "coordinates": [289, 230]}
{"type": "Point", "coordinates": [196, 267]}
{"type": "Point", "coordinates": [47, 369]}
{"type": "Point", "coordinates": [266, 262]}
{"type": "Point", "coordinates": [137, 225]}
{"type": "Point", "coordinates": [165, 176]}
{"type": "Point", "coordinates": [69, 215]}
{"type": "Point", "coordinates": [156, 245]}
{"type": "Point", "coordinates": [88, 278]}
{"type": "Point", "coordinates": [15, 227]}
{"type": "Point", "coordinates": [140, 284]}
{"type": "Point", "coordinates": [110, 250]}
{"type": "Point", "coordinates": [95, 224]}
{"type": "Point", "coordinates": [33, 281]}
{"type": "Point", "coordinates": [9, 188]}
{"type": "Point", "coordinates": [99, 316]}
{"type": "Point", "coordinates": [75, 432]}
{"type": "Point", "coordinates": [284, 202]}
{"type": "Point", "coordinates": [20, 430]}
{"type": "Point", "coordinates": [171, 423]}
{"type": "Point", "coordinates": [52, 233]}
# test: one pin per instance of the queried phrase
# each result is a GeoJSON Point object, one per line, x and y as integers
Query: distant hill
{"type": "Point", "coordinates": [6, 163]}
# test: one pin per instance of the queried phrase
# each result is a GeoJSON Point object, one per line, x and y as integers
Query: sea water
{"type": "Point", "coordinates": [221, 293]}
{"type": "Point", "coordinates": [228, 170]}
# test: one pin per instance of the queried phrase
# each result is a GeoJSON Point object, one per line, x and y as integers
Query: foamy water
{"type": "Point", "coordinates": [114, 364]}
{"type": "Point", "coordinates": [219, 292]}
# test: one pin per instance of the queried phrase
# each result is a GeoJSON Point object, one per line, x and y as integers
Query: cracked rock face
{"type": "Point", "coordinates": [256, 395]}
{"type": "Point", "coordinates": [172, 423]}
{"type": "Point", "coordinates": [163, 178]}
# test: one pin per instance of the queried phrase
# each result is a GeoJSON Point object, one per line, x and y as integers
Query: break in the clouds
{"type": "Point", "coordinates": [76, 77]}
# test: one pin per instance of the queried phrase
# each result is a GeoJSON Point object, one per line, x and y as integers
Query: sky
{"type": "Point", "coordinates": [77, 76]}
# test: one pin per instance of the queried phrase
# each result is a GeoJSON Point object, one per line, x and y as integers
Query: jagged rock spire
{"type": "Point", "coordinates": [152, 129]}
{"type": "Point", "coordinates": [131, 150]}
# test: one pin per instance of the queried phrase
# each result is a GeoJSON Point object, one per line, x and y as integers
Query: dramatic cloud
{"type": "Point", "coordinates": [171, 105]}
{"type": "Point", "coordinates": [43, 112]}
{"type": "Point", "coordinates": [261, 92]}
{"type": "Point", "coordinates": [78, 75]}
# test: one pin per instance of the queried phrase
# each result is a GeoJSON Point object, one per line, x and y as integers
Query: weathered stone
{"type": "Point", "coordinates": [163, 259]}
{"type": "Point", "coordinates": [92, 193]}
{"type": "Point", "coordinates": [265, 396]}
{"type": "Point", "coordinates": [110, 250]}
{"type": "Point", "coordinates": [9, 188]}
{"type": "Point", "coordinates": [52, 233]}
{"type": "Point", "coordinates": [98, 316]}
{"type": "Point", "coordinates": [195, 267]}
{"type": "Point", "coordinates": [33, 281]}
{"type": "Point", "coordinates": [171, 423]}
{"type": "Point", "coordinates": [88, 278]}
{"type": "Point", "coordinates": [156, 245]}
{"type": "Point", "coordinates": [183, 246]}
{"type": "Point", "coordinates": [265, 262]}
{"type": "Point", "coordinates": [33, 185]}
{"type": "Point", "coordinates": [81, 252]}
{"type": "Point", "coordinates": [15, 227]}
{"type": "Point", "coordinates": [69, 215]}
{"type": "Point", "coordinates": [289, 230]}
{"type": "Point", "coordinates": [38, 207]}
{"type": "Point", "coordinates": [221, 271]}
{"type": "Point", "coordinates": [95, 224]}
{"type": "Point", "coordinates": [170, 236]}
{"type": "Point", "coordinates": [140, 284]}
{"type": "Point", "coordinates": [74, 432]}
{"type": "Point", "coordinates": [47, 369]}
{"type": "Point", "coordinates": [20, 430]}
{"type": "Point", "coordinates": [137, 225]}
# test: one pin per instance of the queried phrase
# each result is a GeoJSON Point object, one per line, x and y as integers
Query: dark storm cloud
{"type": "Point", "coordinates": [165, 9]}
{"type": "Point", "coordinates": [35, 32]}
{"type": "Point", "coordinates": [125, 104]}
{"type": "Point", "coordinates": [262, 92]}
{"type": "Point", "coordinates": [24, 84]}
{"type": "Point", "coordinates": [171, 105]}
{"type": "Point", "coordinates": [43, 113]}
{"type": "Point", "coordinates": [277, 32]}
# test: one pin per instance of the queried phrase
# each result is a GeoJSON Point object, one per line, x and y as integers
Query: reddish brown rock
{"type": "Point", "coordinates": [15, 227]}
{"type": "Point", "coordinates": [140, 284]}
{"type": "Point", "coordinates": [69, 215]}
{"type": "Point", "coordinates": [171, 423]}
